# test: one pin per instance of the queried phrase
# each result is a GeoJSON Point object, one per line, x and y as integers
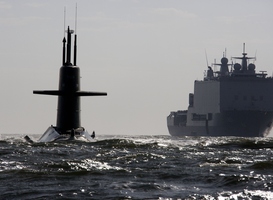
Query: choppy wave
{"type": "Point", "coordinates": [142, 167]}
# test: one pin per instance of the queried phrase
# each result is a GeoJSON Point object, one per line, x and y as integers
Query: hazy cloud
{"type": "Point", "coordinates": [35, 4]}
{"type": "Point", "coordinates": [169, 12]}
{"type": "Point", "coordinates": [19, 21]}
{"type": "Point", "coordinates": [4, 5]}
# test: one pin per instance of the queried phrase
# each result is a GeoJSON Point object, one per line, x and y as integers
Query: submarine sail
{"type": "Point", "coordinates": [69, 93]}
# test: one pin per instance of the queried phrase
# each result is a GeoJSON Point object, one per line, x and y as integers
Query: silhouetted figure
{"type": "Point", "coordinates": [93, 135]}
{"type": "Point", "coordinates": [72, 136]}
{"type": "Point", "coordinates": [28, 139]}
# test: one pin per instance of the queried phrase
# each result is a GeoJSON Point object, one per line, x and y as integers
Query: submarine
{"type": "Point", "coordinates": [68, 125]}
{"type": "Point", "coordinates": [234, 100]}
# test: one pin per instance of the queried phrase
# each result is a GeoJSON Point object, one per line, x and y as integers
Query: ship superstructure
{"type": "Point", "coordinates": [233, 101]}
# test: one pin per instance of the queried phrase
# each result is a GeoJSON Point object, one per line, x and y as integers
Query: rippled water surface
{"type": "Point", "coordinates": [143, 167]}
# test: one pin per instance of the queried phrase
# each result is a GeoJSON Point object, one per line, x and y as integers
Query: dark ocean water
{"type": "Point", "coordinates": [142, 167]}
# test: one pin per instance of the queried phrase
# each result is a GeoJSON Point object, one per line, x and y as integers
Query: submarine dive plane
{"type": "Point", "coordinates": [68, 125]}
{"type": "Point", "coordinates": [229, 102]}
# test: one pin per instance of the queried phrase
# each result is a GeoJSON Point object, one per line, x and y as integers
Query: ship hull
{"type": "Point", "coordinates": [229, 123]}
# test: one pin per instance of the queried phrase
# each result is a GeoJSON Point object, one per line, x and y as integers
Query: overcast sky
{"type": "Point", "coordinates": [145, 54]}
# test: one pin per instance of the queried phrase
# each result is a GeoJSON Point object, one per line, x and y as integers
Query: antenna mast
{"type": "Point", "coordinates": [64, 19]}
{"type": "Point", "coordinates": [206, 58]}
{"type": "Point", "coordinates": [76, 15]}
{"type": "Point", "coordinates": [75, 40]}
{"type": "Point", "coordinates": [244, 49]}
{"type": "Point", "coordinates": [64, 40]}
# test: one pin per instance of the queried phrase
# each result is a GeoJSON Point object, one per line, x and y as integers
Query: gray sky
{"type": "Point", "coordinates": [145, 54]}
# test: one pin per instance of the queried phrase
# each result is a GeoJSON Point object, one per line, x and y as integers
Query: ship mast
{"type": "Point", "coordinates": [244, 60]}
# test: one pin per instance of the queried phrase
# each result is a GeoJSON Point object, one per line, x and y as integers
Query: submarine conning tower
{"type": "Point", "coordinates": [68, 111]}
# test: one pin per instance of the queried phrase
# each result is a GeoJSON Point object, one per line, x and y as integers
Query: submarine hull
{"type": "Point", "coordinates": [68, 115]}
{"type": "Point", "coordinates": [53, 135]}
{"type": "Point", "coordinates": [229, 123]}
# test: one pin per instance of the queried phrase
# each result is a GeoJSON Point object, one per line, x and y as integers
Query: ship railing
{"type": "Point", "coordinates": [179, 112]}
{"type": "Point", "coordinates": [216, 75]}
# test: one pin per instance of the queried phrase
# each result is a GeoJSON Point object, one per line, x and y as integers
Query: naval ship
{"type": "Point", "coordinates": [233, 101]}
